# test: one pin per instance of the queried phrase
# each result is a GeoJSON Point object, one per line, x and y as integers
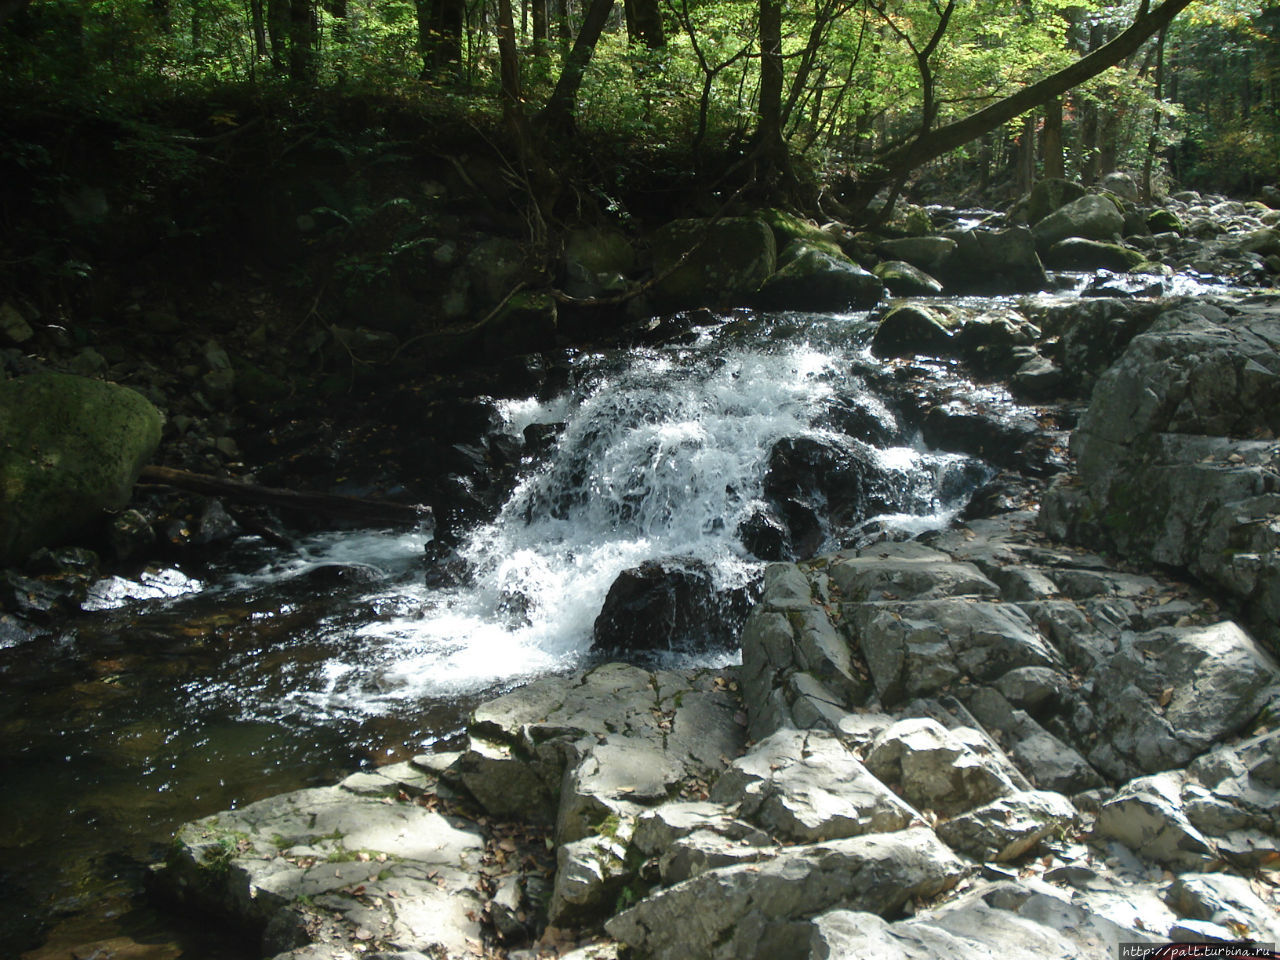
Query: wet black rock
{"type": "Point", "coordinates": [663, 605]}
{"type": "Point", "coordinates": [765, 534]}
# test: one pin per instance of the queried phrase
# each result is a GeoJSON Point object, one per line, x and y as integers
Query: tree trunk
{"type": "Point", "coordinates": [258, 17]}
{"type": "Point", "coordinates": [1051, 141]}
{"type": "Point", "coordinates": [769, 142]}
{"type": "Point", "coordinates": [302, 40]}
{"type": "Point", "coordinates": [644, 23]}
{"type": "Point", "coordinates": [541, 31]}
{"type": "Point", "coordinates": [278, 24]}
{"type": "Point", "coordinates": [1153, 142]}
{"type": "Point", "coordinates": [558, 115]}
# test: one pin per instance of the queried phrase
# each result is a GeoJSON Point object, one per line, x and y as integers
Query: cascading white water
{"type": "Point", "coordinates": [663, 453]}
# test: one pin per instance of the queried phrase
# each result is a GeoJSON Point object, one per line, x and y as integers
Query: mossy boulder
{"type": "Point", "coordinates": [1050, 195]}
{"type": "Point", "coordinates": [929, 254]}
{"type": "Point", "coordinates": [904, 280]}
{"type": "Point", "coordinates": [993, 261]}
{"type": "Point", "coordinates": [1075, 253]}
{"type": "Point", "coordinates": [596, 262]}
{"type": "Point", "coordinates": [1164, 221]}
{"type": "Point", "coordinates": [70, 448]}
{"type": "Point", "coordinates": [788, 228]}
{"type": "Point", "coordinates": [911, 329]}
{"type": "Point", "coordinates": [815, 280]}
{"type": "Point", "coordinates": [730, 260]}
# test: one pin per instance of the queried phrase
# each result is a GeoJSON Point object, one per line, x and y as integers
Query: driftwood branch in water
{"type": "Point", "coordinates": [354, 509]}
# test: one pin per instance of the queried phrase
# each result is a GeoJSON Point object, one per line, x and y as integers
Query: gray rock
{"type": "Point", "coordinates": [758, 909]}
{"type": "Point", "coordinates": [589, 875]}
{"type": "Point", "coordinates": [806, 786]}
{"type": "Point", "coordinates": [1147, 816]}
{"type": "Point", "coordinates": [994, 261]}
{"type": "Point", "coordinates": [13, 326]}
{"type": "Point", "coordinates": [1009, 827]}
{"type": "Point", "coordinates": [1007, 920]}
{"type": "Point", "coordinates": [929, 254]}
{"type": "Point", "coordinates": [1091, 217]}
{"type": "Point", "coordinates": [918, 648]}
{"type": "Point", "coordinates": [1076, 253]}
{"type": "Point", "coordinates": [904, 280]}
{"type": "Point", "coordinates": [1227, 900]}
{"type": "Point", "coordinates": [937, 769]}
{"type": "Point", "coordinates": [596, 262]}
{"type": "Point", "coordinates": [1049, 195]}
{"type": "Point", "coordinates": [320, 846]}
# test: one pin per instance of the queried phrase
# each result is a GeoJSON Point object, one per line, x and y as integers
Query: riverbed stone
{"type": "Point", "coordinates": [918, 648]}
{"type": "Point", "coordinates": [727, 262]}
{"type": "Point", "coordinates": [341, 851]}
{"type": "Point", "coordinates": [913, 329]}
{"type": "Point", "coordinates": [929, 254]}
{"type": "Point", "coordinates": [1147, 816]}
{"type": "Point", "coordinates": [1008, 827]}
{"type": "Point", "coordinates": [1050, 194]}
{"type": "Point", "coordinates": [904, 280]}
{"type": "Point", "coordinates": [1011, 920]}
{"type": "Point", "coordinates": [1091, 217]}
{"type": "Point", "coordinates": [759, 909]}
{"type": "Point", "coordinates": [816, 280]}
{"type": "Point", "coordinates": [937, 769]}
{"type": "Point", "coordinates": [72, 449]}
{"type": "Point", "coordinates": [805, 786]}
{"type": "Point", "coordinates": [994, 261]}
{"type": "Point", "coordinates": [1076, 253]}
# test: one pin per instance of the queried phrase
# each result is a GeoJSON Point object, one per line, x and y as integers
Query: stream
{"type": "Point", "coordinates": [182, 692]}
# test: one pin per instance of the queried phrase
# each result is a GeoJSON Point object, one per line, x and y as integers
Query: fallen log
{"type": "Point", "coordinates": [357, 510]}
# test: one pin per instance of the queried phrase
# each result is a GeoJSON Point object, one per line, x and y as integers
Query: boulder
{"type": "Point", "coordinates": [933, 768]}
{"type": "Point", "coordinates": [596, 262]}
{"type": "Point", "coordinates": [929, 254]}
{"type": "Point", "coordinates": [912, 329]}
{"type": "Point", "coordinates": [72, 449]}
{"type": "Point", "coordinates": [1147, 816]}
{"type": "Point", "coordinates": [337, 853]}
{"type": "Point", "coordinates": [1009, 920]}
{"type": "Point", "coordinates": [1050, 194]}
{"type": "Point", "coordinates": [816, 280]}
{"type": "Point", "coordinates": [904, 280]}
{"type": "Point", "coordinates": [728, 261]}
{"type": "Point", "coordinates": [806, 787]}
{"type": "Point", "coordinates": [1076, 253]}
{"type": "Point", "coordinates": [1169, 471]}
{"type": "Point", "coordinates": [994, 261]}
{"type": "Point", "coordinates": [494, 267]}
{"type": "Point", "coordinates": [1163, 220]}
{"type": "Point", "coordinates": [1122, 185]}
{"type": "Point", "coordinates": [663, 605]}
{"type": "Point", "coordinates": [1009, 827]}
{"type": "Point", "coordinates": [1091, 217]}
{"type": "Point", "coordinates": [760, 909]}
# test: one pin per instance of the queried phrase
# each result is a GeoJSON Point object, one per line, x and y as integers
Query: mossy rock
{"type": "Point", "coordinates": [788, 228]}
{"type": "Point", "coordinates": [904, 280]}
{"type": "Point", "coordinates": [70, 448]}
{"type": "Point", "coordinates": [911, 329]}
{"type": "Point", "coordinates": [596, 262]}
{"type": "Point", "coordinates": [1164, 221]}
{"type": "Point", "coordinates": [1078, 254]}
{"type": "Point", "coordinates": [730, 261]}
{"type": "Point", "coordinates": [815, 280]}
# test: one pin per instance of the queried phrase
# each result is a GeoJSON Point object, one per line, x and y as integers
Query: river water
{"type": "Point", "coordinates": [183, 692]}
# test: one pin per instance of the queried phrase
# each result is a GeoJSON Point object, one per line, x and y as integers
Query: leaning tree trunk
{"type": "Point", "coordinates": [1051, 141]}
{"type": "Point", "coordinates": [895, 162]}
{"type": "Point", "coordinates": [558, 115]}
